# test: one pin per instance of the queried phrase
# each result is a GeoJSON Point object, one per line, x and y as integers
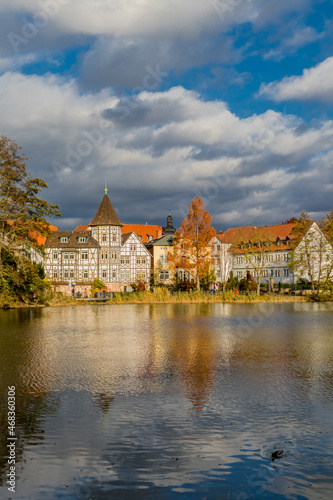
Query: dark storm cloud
{"type": "Point", "coordinates": [123, 63]}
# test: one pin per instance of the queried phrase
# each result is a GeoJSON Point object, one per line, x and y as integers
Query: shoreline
{"type": "Point", "coordinates": [167, 299]}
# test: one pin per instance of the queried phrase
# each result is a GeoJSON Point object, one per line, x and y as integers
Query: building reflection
{"type": "Point", "coordinates": [194, 357]}
{"type": "Point", "coordinates": [103, 401]}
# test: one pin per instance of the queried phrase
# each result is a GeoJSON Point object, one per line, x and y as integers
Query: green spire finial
{"type": "Point", "coordinates": [106, 189]}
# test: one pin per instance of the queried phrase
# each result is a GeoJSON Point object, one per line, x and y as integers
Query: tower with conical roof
{"type": "Point", "coordinates": [106, 229]}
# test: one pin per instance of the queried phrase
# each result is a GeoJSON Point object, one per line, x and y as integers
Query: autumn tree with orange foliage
{"type": "Point", "coordinates": [191, 250]}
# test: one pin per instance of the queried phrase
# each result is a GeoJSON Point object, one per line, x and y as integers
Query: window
{"type": "Point", "coordinates": [218, 248]}
{"type": "Point", "coordinates": [122, 276]}
{"type": "Point", "coordinates": [112, 255]}
{"type": "Point", "coordinates": [82, 239]}
{"type": "Point", "coordinates": [150, 237]}
{"type": "Point", "coordinates": [114, 275]}
{"type": "Point", "coordinates": [71, 274]}
{"type": "Point", "coordinates": [66, 273]}
{"type": "Point", "coordinates": [63, 239]}
{"type": "Point", "coordinates": [127, 275]}
{"type": "Point", "coordinates": [138, 260]}
{"type": "Point", "coordinates": [65, 256]}
{"type": "Point", "coordinates": [143, 275]}
{"type": "Point", "coordinates": [114, 237]}
{"type": "Point", "coordinates": [102, 256]}
{"type": "Point", "coordinates": [164, 275]}
{"type": "Point", "coordinates": [162, 260]}
{"type": "Point", "coordinates": [103, 237]}
{"type": "Point", "coordinates": [71, 256]}
{"type": "Point", "coordinates": [85, 275]}
{"type": "Point", "coordinates": [104, 274]}
{"type": "Point", "coordinates": [272, 272]}
{"type": "Point", "coordinates": [55, 274]}
{"type": "Point", "coordinates": [106, 256]}
{"type": "Point", "coordinates": [122, 260]}
{"type": "Point", "coordinates": [286, 272]}
{"type": "Point", "coordinates": [84, 256]}
{"type": "Point", "coordinates": [277, 272]}
{"type": "Point", "coordinates": [127, 260]}
{"type": "Point", "coordinates": [143, 261]}
{"type": "Point", "coordinates": [55, 256]}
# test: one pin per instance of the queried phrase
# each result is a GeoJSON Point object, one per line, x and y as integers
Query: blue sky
{"type": "Point", "coordinates": [228, 99]}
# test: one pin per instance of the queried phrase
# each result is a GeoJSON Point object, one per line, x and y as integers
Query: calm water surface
{"type": "Point", "coordinates": [169, 401]}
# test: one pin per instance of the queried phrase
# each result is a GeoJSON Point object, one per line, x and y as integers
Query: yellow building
{"type": "Point", "coordinates": [159, 249]}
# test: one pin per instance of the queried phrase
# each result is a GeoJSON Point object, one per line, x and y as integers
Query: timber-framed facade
{"type": "Point", "coordinates": [101, 252]}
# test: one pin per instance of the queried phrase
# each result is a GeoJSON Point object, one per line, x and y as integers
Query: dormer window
{"type": "Point", "coordinates": [287, 240]}
{"type": "Point", "coordinates": [82, 239]}
{"type": "Point", "coordinates": [278, 242]}
{"type": "Point", "coordinates": [64, 239]}
{"type": "Point", "coordinates": [150, 237]}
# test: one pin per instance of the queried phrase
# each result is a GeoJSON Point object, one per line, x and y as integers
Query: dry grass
{"type": "Point", "coordinates": [163, 296]}
{"type": "Point", "coordinates": [160, 296]}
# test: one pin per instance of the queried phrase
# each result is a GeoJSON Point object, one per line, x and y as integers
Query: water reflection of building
{"type": "Point", "coordinates": [103, 401]}
{"type": "Point", "coordinates": [193, 355]}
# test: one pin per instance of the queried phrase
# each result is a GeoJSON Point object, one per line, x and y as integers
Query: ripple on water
{"type": "Point", "coordinates": [166, 402]}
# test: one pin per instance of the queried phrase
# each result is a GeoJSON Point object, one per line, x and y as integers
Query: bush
{"type": "Point", "coordinates": [247, 285]}
{"type": "Point", "coordinates": [139, 286]}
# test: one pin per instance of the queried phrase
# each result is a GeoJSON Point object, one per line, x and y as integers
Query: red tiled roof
{"type": "Point", "coordinates": [270, 233]}
{"type": "Point", "coordinates": [143, 230]}
{"type": "Point", "coordinates": [233, 234]}
{"type": "Point", "coordinates": [84, 227]}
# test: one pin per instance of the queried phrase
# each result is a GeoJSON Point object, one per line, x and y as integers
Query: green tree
{"type": "Point", "coordinates": [23, 215]}
{"type": "Point", "coordinates": [23, 218]}
{"type": "Point", "coordinates": [208, 276]}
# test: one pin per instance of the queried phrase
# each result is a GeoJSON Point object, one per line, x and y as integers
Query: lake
{"type": "Point", "coordinates": [168, 401]}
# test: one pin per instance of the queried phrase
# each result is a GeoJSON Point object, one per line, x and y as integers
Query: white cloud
{"type": "Point", "coordinates": [14, 63]}
{"type": "Point", "coordinates": [168, 146]}
{"type": "Point", "coordinates": [144, 18]}
{"type": "Point", "coordinates": [315, 83]}
{"type": "Point", "coordinates": [150, 18]}
{"type": "Point", "coordinates": [289, 45]}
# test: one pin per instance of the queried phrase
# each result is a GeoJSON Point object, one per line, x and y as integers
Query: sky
{"type": "Point", "coordinates": [164, 100]}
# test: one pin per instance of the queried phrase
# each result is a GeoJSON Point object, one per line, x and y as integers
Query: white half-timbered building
{"type": "Point", "coordinates": [101, 252]}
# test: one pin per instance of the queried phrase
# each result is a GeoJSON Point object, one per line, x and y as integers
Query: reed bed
{"type": "Point", "coordinates": [164, 296]}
